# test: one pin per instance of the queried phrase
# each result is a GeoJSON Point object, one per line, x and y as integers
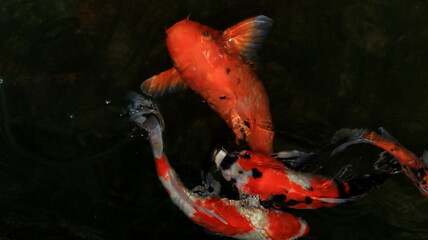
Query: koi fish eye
{"type": "Point", "coordinates": [207, 35]}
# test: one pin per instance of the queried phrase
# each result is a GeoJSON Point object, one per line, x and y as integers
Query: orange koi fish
{"type": "Point", "coordinates": [215, 65]}
{"type": "Point", "coordinates": [413, 167]}
{"type": "Point", "coordinates": [281, 187]}
{"type": "Point", "coordinates": [241, 219]}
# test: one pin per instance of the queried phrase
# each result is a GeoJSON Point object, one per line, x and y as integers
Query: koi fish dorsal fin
{"type": "Point", "coordinates": [247, 37]}
{"type": "Point", "coordinates": [169, 80]}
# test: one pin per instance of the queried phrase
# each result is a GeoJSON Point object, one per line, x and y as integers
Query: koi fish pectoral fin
{"type": "Point", "coordinates": [184, 200]}
{"type": "Point", "coordinates": [350, 136]}
{"type": "Point", "coordinates": [169, 80]}
{"type": "Point", "coordinates": [344, 172]}
{"type": "Point", "coordinates": [209, 187]}
{"type": "Point", "coordinates": [247, 37]}
{"type": "Point", "coordinates": [297, 160]}
{"type": "Point", "coordinates": [387, 163]}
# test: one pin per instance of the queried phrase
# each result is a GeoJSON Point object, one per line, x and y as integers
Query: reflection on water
{"type": "Point", "coordinates": [70, 170]}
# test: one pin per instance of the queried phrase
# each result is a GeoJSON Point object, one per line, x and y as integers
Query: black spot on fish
{"type": "Point", "coordinates": [308, 200]}
{"type": "Point", "coordinates": [274, 201]}
{"type": "Point", "coordinates": [223, 97]}
{"type": "Point", "coordinates": [247, 124]}
{"type": "Point", "coordinates": [392, 149]}
{"type": "Point", "coordinates": [309, 188]}
{"type": "Point", "coordinates": [233, 180]}
{"type": "Point", "coordinates": [246, 156]}
{"type": "Point", "coordinates": [278, 198]}
{"type": "Point", "coordinates": [240, 172]}
{"type": "Point", "coordinates": [256, 173]}
{"type": "Point", "coordinates": [266, 204]}
{"type": "Point", "coordinates": [290, 203]}
{"type": "Point", "coordinates": [227, 70]}
{"type": "Point", "coordinates": [228, 161]}
{"type": "Point", "coordinates": [210, 189]}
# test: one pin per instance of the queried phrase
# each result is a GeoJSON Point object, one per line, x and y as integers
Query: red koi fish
{"type": "Point", "coordinates": [282, 187]}
{"type": "Point", "coordinates": [214, 64]}
{"type": "Point", "coordinates": [241, 219]}
{"type": "Point", "coordinates": [413, 167]}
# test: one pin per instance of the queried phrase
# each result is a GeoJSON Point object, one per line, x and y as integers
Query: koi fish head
{"type": "Point", "coordinates": [229, 167]}
{"type": "Point", "coordinates": [240, 167]}
{"type": "Point", "coordinates": [189, 37]}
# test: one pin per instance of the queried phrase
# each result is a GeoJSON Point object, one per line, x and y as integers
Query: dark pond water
{"type": "Point", "coordinates": [69, 168]}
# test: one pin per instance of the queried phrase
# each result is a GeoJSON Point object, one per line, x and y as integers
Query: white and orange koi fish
{"type": "Point", "coordinates": [240, 219]}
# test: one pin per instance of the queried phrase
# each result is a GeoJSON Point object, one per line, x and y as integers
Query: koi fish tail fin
{"type": "Point", "coordinates": [353, 188]}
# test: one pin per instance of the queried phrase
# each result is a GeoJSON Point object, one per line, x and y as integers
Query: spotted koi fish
{"type": "Point", "coordinates": [240, 219]}
{"type": "Point", "coordinates": [282, 187]}
{"type": "Point", "coordinates": [215, 64]}
{"type": "Point", "coordinates": [416, 169]}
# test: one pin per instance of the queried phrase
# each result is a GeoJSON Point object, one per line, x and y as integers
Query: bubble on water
{"type": "Point", "coordinates": [71, 116]}
{"type": "Point", "coordinates": [107, 101]}
{"type": "Point", "coordinates": [1, 81]}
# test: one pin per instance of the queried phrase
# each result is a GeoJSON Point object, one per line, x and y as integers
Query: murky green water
{"type": "Point", "coordinates": [70, 170]}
